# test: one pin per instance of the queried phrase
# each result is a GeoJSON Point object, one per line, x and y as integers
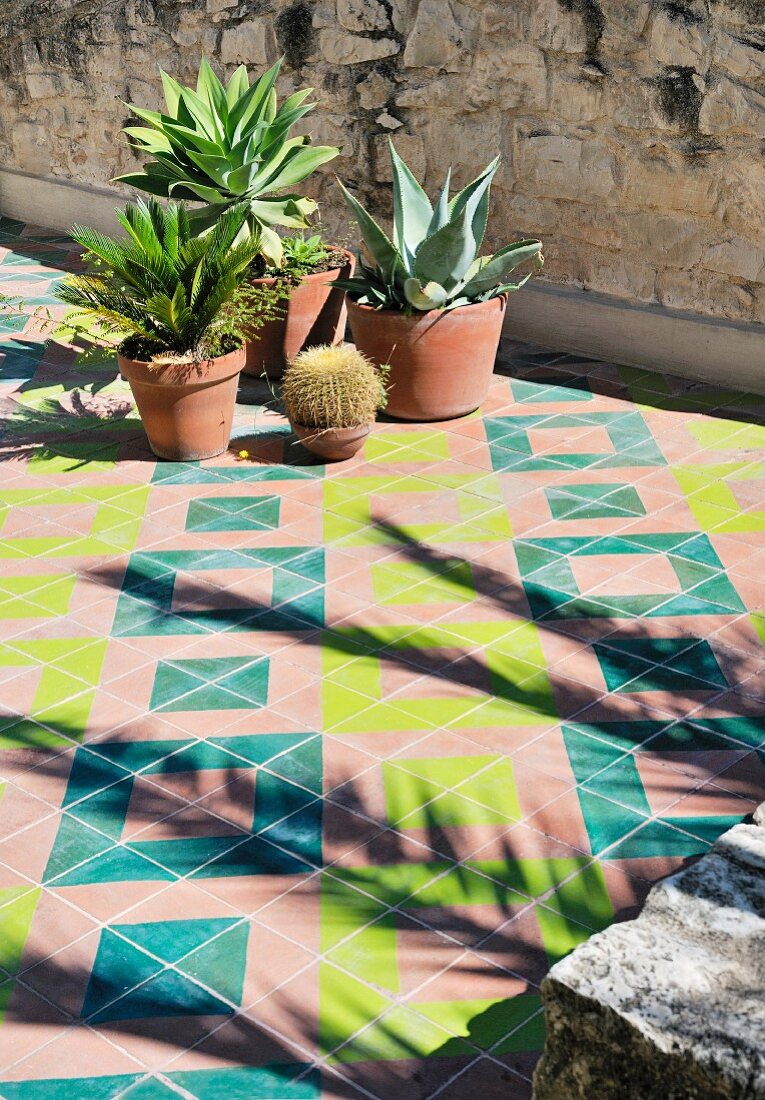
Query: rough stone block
{"type": "Point", "coordinates": [443, 36]}
{"type": "Point", "coordinates": [342, 48]}
{"type": "Point", "coordinates": [245, 44]}
{"type": "Point", "coordinates": [668, 1006]}
{"type": "Point", "coordinates": [362, 16]}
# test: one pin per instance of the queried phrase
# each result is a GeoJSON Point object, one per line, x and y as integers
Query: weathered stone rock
{"type": "Point", "coordinates": [513, 74]}
{"type": "Point", "coordinates": [730, 106]}
{"type": "Point", "coordinates": [411, 148]}
{"type": "Point", "coordinates": [341, 48]}
{"type": "Point", "coordinates": [679, 41]}
{"type": "Point", "coordinates": [374, 91]}
{"type": "Point", "coordinates": [738, 256]}
{"type": "Point", "coordinates": [568, 167]}
{"type": "Point", "coordinates": [360, 16]}
{"type": "Point", "coordinates": [743, 60]}
{"type": "Point", "coordinates": [668, 1006]}
{"type": "Point", "coordinates": [443, 36]}
{"type": "Point", "coordinates": [245, 44]}
{"type": "Point", "coordinates": [555, 28]}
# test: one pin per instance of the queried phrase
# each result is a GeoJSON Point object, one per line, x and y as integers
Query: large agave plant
{"type": "Point", "coordinates": [162, 286]}
{"type": "Point", "coordinates": [433, 260]}
{"type": "Point", "coordinates": [222, 145]}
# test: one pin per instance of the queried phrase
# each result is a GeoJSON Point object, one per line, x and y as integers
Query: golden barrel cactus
{"type": "Point", "coordinates": [333, 387]}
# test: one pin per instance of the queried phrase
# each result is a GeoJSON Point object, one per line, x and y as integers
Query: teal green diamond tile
{"type": "Point", "coordinates": [212, 683]}
{"type": "Point", "coordinates": [146, 600]}
{"type": "Point", "coordinates": [548, 566]}
{"type": "Point", "coordinates": [144, 971]}
{"type": "Point", "coordinates": [630, 436]}
{"type": "Point", "coordinates": [88, 847]}
{"type": "Point", "coordinates": [233, 514]}
{"type": "Point", "coordinates": [605, 760]}
{"type": "Point", "coordinates": [286, 1081]}
{"type": "Point", "coordinates": [552, 387]}
{"type": "Point", "coordinates": [613, 501]}
{"type": "Point", "coordinates": [659, 664]}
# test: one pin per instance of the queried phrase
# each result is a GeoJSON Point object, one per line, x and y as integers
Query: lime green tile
{"type": "Point", "coordinates": [727, 435]}
{"type": "Point", "coordinates": [69, 671]}
{"type": "Point", "coordinates": [520, 690]}
{"type": "Point", "coordinates": [406, 447]}
{"type": "Point", "coordinates": [448, 580]}
{"type": "Point", "coordinates": [348, 510]}
{"type": "Point", "coordinates": [37, 597]}
{"type": "Point", "coordinates": [115, 528]}
{"type": "Point", "coordinates": [418, 794]}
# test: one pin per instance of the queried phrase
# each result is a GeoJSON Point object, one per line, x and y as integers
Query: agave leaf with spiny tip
{"type": "Point", "coordinates": [432, 258]}
{"type": "Point", "coordinates": [222, 145]}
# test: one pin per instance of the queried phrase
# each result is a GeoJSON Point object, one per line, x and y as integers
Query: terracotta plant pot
{"type": "Point", "coordinates": [441, 363]}
{"type": "Point", "coordinates": [332, 444]}
{"type": "Point", "coordinates": [315, 313]}
{"type": "Point", "coordinates": [186, 409]}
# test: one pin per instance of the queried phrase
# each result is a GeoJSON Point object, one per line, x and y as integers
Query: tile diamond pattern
{"type": "Point", "coordinates": [309, 773]}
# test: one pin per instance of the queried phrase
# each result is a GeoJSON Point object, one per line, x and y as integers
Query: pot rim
{"type": "Point", "coordinates": [420, 314]}
{"type": "Point", "coordinates": [269, 280]}
{"type": "Point", "coordinates": [205, 372]}
{"type": "Point", "coordinates": [323, 431]}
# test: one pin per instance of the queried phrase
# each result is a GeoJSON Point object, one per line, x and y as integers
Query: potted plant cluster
{"type": "Point", "coordinates": [332, 396]}
{"type": "Point", "coordinates": [222, 145]}
{"type": "Point", "coordinates": [205, 286]}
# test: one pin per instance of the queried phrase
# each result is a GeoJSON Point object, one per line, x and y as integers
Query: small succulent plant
{"type": "Point", "coordinates": [433, 260]}
{"type": "Point", "coordinates": [333, 387]}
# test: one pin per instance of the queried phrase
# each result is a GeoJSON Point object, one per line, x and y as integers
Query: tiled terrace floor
{"type": "Point", "coordinates": [310, 774]}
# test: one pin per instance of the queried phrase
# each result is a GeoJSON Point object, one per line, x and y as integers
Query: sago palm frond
{"type": "Point", "coordinates": [161, 284]}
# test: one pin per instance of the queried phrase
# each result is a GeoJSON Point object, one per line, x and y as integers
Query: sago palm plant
{"type": "Point", "coordinates": [432, 260]}
{"type": "Point", "coordinates": [225, 144]}
{"type": "Point", "coordinates": [163, 290]}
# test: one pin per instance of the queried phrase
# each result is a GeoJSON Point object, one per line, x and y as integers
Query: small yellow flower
{"type": "Point", "coordinates": [244, 454]}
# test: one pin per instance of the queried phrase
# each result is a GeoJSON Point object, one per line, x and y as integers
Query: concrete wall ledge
{"type": "Point", "coordinates": [598, 326]}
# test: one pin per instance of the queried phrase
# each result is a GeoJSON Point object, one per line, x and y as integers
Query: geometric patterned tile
{"type": "Point", "coordinates": [631, 442]}
{"type": "Point", "coordinates": [145, 606]}
{"type": "Point", "coordinates": [219, 880]}
{"type": "Point", "coordinates": [167, 968]}
{"type": "Point", "coordinates": [284, 836]}
{"type": "Point", "coordinates": [547, 567]}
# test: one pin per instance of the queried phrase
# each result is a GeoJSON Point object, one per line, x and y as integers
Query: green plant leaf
{"type": "Point", "coordinates": [380, 247]}
{"type": "Point", "coordinates": [441, 211]}
{"type": "Point", "coordinates": [237, 86]}
{"type": "Point", "coordinates": [412, 212]}
{"type": "Point", "coordinates": [430, 296]}
{"type": "Point", "coordinates": [475, 198]}
{"type": "Point", "coordinates": [445, 257]}
{"type": "Point", "coordinates": [210, 88]}
{"type": "Point", "coordinates": [494, 272]}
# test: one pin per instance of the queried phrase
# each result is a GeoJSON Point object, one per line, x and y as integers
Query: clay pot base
{"type": "Point", "coordinates": [441, 363]}
{"type": "Point", "coordinates": [187, 411]}
{"type": "Point", "coordinates": [332, 444]}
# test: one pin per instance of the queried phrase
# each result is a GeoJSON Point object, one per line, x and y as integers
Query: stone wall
{"type": "Point", "coordinates": [632, 132]}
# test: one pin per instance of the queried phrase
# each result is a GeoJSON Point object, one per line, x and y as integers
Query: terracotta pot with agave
{"type": "Point", "coordinates": [426, 303]}
{"type": "Point", "coordinates": [222, 145]}
{"type": "Point", "coordinates": [174, 300]}
{"type": "Point", "coordinates": [332, 396]}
